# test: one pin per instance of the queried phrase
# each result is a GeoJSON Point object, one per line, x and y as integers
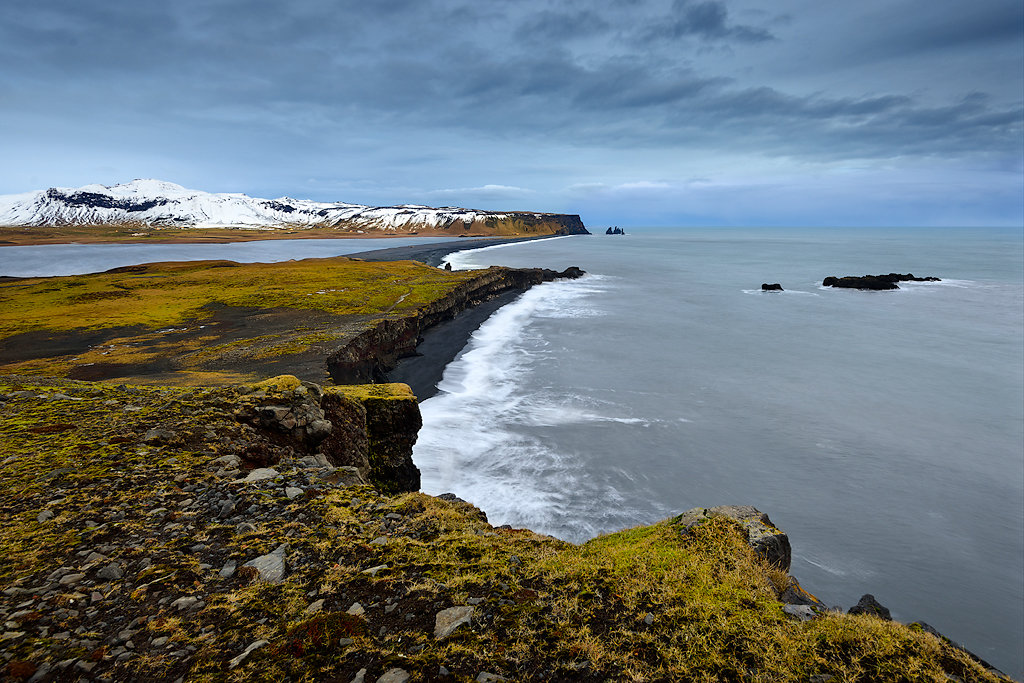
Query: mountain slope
{"type": "Point", "coordinates": [161, 204]}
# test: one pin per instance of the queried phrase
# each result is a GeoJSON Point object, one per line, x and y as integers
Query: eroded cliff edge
{"type": "Point", "coordinates": [228, 533]}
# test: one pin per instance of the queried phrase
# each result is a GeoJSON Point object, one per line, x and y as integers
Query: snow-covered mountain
{"type": "Point", "coordinates": [159, 203]}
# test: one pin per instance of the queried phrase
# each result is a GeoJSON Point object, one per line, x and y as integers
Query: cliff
{"type": "Point", "coordinates": [216, 534]}
{"type": "Point", "coordinates": [148, 209]}
{"type": "Point", "coordinates": [370, 355]}
{"type": "Point", "coordinates": [219, 322]}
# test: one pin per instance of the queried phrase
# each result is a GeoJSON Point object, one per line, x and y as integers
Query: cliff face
{"type": "Point", "coordinates": [369, 355]}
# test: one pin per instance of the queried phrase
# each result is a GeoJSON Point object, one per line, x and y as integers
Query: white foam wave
{"type": "Point", "coordinates": [759, 292]}
{"type": "Point", "coordinates": [479, 437]}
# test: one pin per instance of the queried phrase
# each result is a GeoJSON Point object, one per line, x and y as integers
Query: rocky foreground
{"type": "Point", "coordinates": [272, 531]}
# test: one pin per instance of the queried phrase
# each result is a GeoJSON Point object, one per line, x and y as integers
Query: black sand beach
{"type": "Point", "coordinates": [433, 254]}
{"type": "Point", "coordinates": [443, 342]}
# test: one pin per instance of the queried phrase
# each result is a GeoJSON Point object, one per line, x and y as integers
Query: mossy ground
{"type": "Point", "coordinates": [643, 604]}
{"type": "Point", "coordinates": [170, 322]}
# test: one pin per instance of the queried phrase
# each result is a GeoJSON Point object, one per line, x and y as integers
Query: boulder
{"type": "Point", "coordinates": [775, 287]}
{"type": "Point", "coordinates": [765, 538]}
{"type": "Point", "coordinates": [868, 605]}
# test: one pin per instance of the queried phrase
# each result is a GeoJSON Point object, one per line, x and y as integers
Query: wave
{"type": "Point", "coordinates": [482, 434]}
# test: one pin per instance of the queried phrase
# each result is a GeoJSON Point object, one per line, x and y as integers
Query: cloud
{"type": "Point", "coordinates": [483, 193]}
{"type": "Point", "coordinates": [705, 19]}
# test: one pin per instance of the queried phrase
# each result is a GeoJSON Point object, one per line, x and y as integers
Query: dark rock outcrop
{"type": "Point", "coordinates": [874, 282]}
{"type": "Point", "coordinates": [369, 356]}
{"type": "Point", "coordinates": [764, 537]}
{"type": "Point", "coordinates": [776, 287]}
{"type": "Point", "coordinates": [868, 605]}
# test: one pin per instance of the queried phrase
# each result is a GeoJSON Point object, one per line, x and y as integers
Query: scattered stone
{"type": "Point", "coordinates": [314, 608]}
{"type": "Point", "coordinates": [448, 620]}
{"type": "Point", "coordinates": [45, 516]}
{"type": "Point", "coordinates": [249, 650]}
{"type": "Point", "coordinates": [69, 579]}
{"type": "Point", "coordinates": [868, 605]}
{"type": "Point", "coordinates": [394, 676]}
{"type": "Point", "coordinates": [373, 571]}
{"type": "Point", "coordinates": [259, 474]}
{"type": "Point", "coordinates": [765, 538]}
{"type": "Point", "coordinates": [345, 642]}
{"type": "Point", "coordinates": [360, 676]}
{"type": "Point", "coordinates": [186, 603]}
{"type": "Point", "coordinates": [228, 570]}
{"type": "Point", "coordinates": [380, 540]}
{"type": "Point", "coordinates": [270, 566]}
{"type": "Point", "coordinates": [112, 572]}
{"type": "Point", "coordinates": [648, 618]}
{"type": "Point", "coordinates": [800, 612]}
{"type": "Point", "coordinates": [476, 601]}
{"type": "Point", "coordinates": [160, 642]}
{"type": "Point", "coordinates": [158, 436]}
{"type": "Point", "coordinates": [486, 677]}
{"type": "Point", "coordinates": [356, 610]}
{"type": "Point", "coordinates": [292, 492]}
{"type": "Point", "coordinates": [245, 528]}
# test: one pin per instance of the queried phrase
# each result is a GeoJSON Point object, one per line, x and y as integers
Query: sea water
{"type": "Point", "coordinates": [76, 259]}
{"type": "Point", "coordinates": [884, 431]}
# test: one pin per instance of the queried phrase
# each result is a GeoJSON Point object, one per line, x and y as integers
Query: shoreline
{"type": "Point", "coordinates": [433, 254]}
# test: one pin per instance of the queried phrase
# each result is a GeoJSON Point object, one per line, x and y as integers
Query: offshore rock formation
{"type": "Point", "coordinates": [370, 355]}
{"type": "Point", "coordinates": [874, 282]}
{"type": "Point", "coordinates": [775, 287]}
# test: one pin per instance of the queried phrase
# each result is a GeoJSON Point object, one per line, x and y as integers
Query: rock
{"type": "Point", "coordinates": [360, 676]}
{"type": "Point", "coordinates": [356, 610]}
{"type": "Point", "coordinates": [292, 492]}
{"type": "Point", "coordinates": [873, 282]}
{"type": "Point", "coordinates": [765, 538]}
{"type": "Point", "coordinates": [157, 436]}
{"type": "Point", "coordinates": [394, 676]}
{"type": "Point", "coordinates": [228, 570]}
{"type": "Point", "coordinates": [868, 605]}
{"type": "Point", "coordinates": [270, 566]}
{"type": "Point", "coordinates": [380, 540]}
{"type": "Point", "coordinates": [345, 642]}
{"type": "Point", "coordinates": [186, 603]}
{"type": "Point", "coordinates": [800, 612]}
{"type": "Point", "coordinates": [249, 650]}
{"type": "Point", "coordinates": [776, 287]}
{"type": "Point", "coordinates": [373, 571]}
{"type": "Point", "coordinates": [343, 476]}
{"type": "Point", "coordinates": [160, 642]}
{"type": "Point", "coordinates": [313, 608]}
{"type": "Point", "coordinates": [45, 516]}
{"type": "Point", "coordinates": [487, 677]}
{"type": "Point", "coordinates": [796, 595]}
{"type": "Point", "coordinates": [68, 579]}
{"type": "Point", "coordinates": [260, 474]}
{"type": "Point", "coordinates": [318, 430]}
{"type": "Point", "coordinates": [448, 620]}
{"type": "Point", "coordinates": [245, 528]}
{"type": "Point", "coordinates": [112, 572]}
{"type": "Point", "coordinates": [648, 618]}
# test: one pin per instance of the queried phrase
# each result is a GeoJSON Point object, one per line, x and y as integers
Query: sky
{"type": "Point", "coordinates": [627, 112]}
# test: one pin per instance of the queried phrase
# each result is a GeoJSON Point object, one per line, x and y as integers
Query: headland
{"type": "Point", "coordinates": [192, 516]}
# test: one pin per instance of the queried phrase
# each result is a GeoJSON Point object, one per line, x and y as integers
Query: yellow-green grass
{"type": "Point", "coordinates": [165, 294]}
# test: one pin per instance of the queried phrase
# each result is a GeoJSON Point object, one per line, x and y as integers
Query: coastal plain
{"type": "Point", "coordinates": [195, 493]}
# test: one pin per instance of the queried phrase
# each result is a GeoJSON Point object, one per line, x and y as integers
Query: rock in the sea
{"type": "Point", "coordinates": [868, 605]}
{"type": "Point", "coordinates": [448, 620]}
{"type": "Point", "coordinates": [764, 537]}
{"type": "Point", "coordinates": [774, 287]}
{"type": "Point", "coordinates": [874, 282]}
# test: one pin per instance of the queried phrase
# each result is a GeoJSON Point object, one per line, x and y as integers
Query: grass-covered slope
{"type": "Point", "coordinates": [208, 321]}
{"type": "Point", "coordinates": [127, 521]}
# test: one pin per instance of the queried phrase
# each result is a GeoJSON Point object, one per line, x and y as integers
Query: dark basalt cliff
{"type": "Point", "coordinates": [369, 356]}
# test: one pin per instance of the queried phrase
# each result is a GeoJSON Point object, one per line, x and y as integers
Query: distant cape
{"type": "Point", "coordinates": [157, 203]}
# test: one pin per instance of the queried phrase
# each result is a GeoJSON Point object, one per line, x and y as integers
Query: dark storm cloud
{"type": "Point", "coordinates": [803, 81]}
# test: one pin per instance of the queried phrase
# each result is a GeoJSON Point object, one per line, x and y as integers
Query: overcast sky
{"type": "Point", "coordinates": [633, 112]}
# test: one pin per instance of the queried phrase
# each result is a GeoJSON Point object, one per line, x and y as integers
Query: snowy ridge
{"type": "Point", "coordinates": [159, 203]}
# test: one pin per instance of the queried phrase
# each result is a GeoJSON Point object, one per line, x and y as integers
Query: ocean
{"type": "Point", "coordinates": [884, 431]}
